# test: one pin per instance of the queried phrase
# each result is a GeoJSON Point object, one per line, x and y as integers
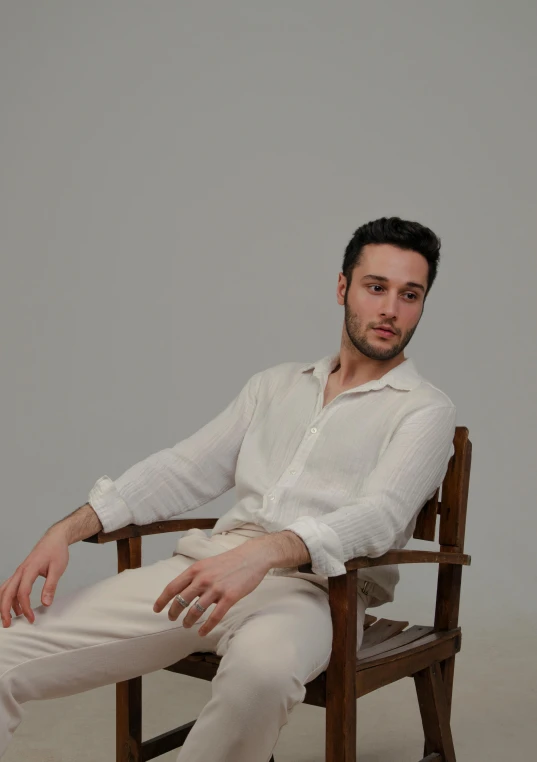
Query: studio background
{"type": "Point", "coordinates": [178, 184]}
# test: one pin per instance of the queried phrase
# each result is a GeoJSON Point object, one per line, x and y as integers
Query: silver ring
{"type": "Point", "coordinates": [181, 600]}
{"type": "Point", "coordinates": [198, 607]}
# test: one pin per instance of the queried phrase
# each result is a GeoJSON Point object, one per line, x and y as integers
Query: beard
{"type": "Point", "coordinates": [358, 337]}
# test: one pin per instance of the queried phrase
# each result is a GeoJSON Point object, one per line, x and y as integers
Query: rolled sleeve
{"type": "Point", "coordinates": [112, 510]}
{"type": "Point", "coordinates": [323, 544]}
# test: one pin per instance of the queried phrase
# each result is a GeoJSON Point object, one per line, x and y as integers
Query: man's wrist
{"type": "Point", "coordinates": [284, 549]}
{"type": "Point", "coordinates": [79, 525]}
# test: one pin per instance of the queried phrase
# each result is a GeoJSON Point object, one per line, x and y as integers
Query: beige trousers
{"type": "Point", "coordinates": [272, 642]}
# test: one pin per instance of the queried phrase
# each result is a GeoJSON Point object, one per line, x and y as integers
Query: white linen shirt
{"type": "Point", "coordinates": [348, 478]}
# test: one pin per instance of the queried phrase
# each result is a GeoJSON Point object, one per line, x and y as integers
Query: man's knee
{"type": "Point", "coordinates": [259, 674]}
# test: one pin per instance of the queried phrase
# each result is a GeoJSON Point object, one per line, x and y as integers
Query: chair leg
{"type": "Point", "coordinates": [448, 669]}
{"type": "Point", "coordinates": [341, 729]}
{"type": "Point", "coordinates": [341, 670]}
{"type": "Point", "coordinates": [129, 720]}
{"type": "Point", "coordinates": [434, 710]}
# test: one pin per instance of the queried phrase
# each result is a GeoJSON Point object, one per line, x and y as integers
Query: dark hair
{"type": "Point", "coordinates": [398, 232]}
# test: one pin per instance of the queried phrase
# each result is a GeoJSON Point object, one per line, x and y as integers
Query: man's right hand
{"type": "Point", "coordinates": [49, 559]}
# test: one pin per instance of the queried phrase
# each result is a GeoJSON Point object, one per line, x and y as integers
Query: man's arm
{"type": "Point", "coordinates": [406, 476]}
{"type": "Point", "coordinates": [78, 525]}
{"type": "Point", "coordinates": [282, 550]}
{"type": "Point", "coordinates": [179, 478]}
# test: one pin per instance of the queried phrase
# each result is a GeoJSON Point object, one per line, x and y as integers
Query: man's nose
{"type": "Point", "coordinates": [389, 308]}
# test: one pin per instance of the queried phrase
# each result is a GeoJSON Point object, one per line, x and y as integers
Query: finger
{"type": "Point", "coordinates": [223, 606]}
{"type": "Point", "coordinates": [15, 605]}
{"type": "Point", "coordinates": [7, 597]}
{"type": "Point", "coordinates": [193, 614]}
{"type": "Point", "coordinates": [49, 588]}
{"type": "Point", "coordinates": [23, 594]}
{"type": "Point", "coordinates": [189, 594]}
{"type": "Point", "coordinates": [2, 589]}
{"type": "Point", "coordinates": [177, 585]}
{"type": "Point", "coordinates": [176, 609]}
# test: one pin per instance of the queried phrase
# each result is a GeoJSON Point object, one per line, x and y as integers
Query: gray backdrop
{"type": "Point", "coordinates": [178, 184]}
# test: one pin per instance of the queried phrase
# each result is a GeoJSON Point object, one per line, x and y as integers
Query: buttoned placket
{"type": "Point", "coordinates": [320, 415]}
{"type": "Point", "coordinates": [319, 418]}
{"type": "Point", "coordinates": [291, 474]}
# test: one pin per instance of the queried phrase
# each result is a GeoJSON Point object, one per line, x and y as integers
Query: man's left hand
{"type": "Point", "coordinates": [222, 579]}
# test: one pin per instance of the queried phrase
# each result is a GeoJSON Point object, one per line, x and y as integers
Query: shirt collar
{"type": "Point", "coordinates": [404, 376]}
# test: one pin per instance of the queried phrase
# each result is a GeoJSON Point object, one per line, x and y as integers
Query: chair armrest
{"type": "Point", "coordinates": [402, 557]}
{"type": "Point", "coordinates": [157, 527]}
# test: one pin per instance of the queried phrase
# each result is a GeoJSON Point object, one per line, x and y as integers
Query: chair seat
{"type": "Point", "coordinates": [390, 650]}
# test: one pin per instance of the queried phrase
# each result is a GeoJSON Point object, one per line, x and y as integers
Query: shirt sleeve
{"type": "Point", "coordinates": [407, 474]}
{"type": "Point", "coordinates": [179, 478]}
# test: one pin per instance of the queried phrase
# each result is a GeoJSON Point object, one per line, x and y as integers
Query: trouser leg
{"type": "Point", "coordinates": [273, 641]}
{"type": "Point", "coordinates": [101, 634]}
{"type": "Point", "coordinates": [276, 640]}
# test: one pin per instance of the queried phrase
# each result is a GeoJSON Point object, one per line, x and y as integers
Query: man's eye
{"type": "Point", "coordinates": [408, 293]}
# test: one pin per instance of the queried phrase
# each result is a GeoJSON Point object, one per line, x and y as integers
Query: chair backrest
{"type": "Point", "coordinates": [450, 500]}
{"type": "Point", "coordinates": [451, 506]}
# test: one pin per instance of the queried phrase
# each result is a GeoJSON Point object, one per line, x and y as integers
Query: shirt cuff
{"type": "Point", "coordinates": [109, 506]}
{"type": "Point", "coordinates": [323, 544]}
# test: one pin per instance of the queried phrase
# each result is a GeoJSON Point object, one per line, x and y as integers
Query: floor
{"type": "Point", "coordinates": [495, 706]}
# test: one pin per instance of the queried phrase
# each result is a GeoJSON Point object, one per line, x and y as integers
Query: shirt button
{"type": "Point", "coordinates": [292, 471]}
{"type": "Point", "coordinates": [313, 430]}
{"type": "Point", "coordinates": [271, 497]}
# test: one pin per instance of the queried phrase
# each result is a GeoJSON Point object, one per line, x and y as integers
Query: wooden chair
{"type": "Point", "coordinates": [390, 649]}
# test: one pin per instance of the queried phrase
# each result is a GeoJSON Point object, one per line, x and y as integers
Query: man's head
{"type": "Point", "coordinates": [388, 269]}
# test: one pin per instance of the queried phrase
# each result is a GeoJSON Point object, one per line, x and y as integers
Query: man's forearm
{"type": "Point", "coordinates": [79, 525]}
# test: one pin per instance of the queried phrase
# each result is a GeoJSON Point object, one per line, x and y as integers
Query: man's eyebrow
{"type": "Point", "coordinates": [385, 279]}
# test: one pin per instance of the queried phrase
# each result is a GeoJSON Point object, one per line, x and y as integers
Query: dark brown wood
{"type": "Point", "coordinates": [404, 652]}
{"type": "Point", "coordinates": [382, 630]}
{"type": "Point", "coordinates": [203, 670]}
{"type": "Point", "coordinates": [434, 712]}
{"type": "Point", "coordinates": [403, 557]}
{"type": "Point", "coordinates": [452, 528]}
{"type": "Point", "coordinates": [454, 504]}
{"type": "Point", "coordinates": [408, 636]}
{"type": "Point", "coordinates": [129, 692]}
{"type": "Point", "coordinates": [455, 492]}
{"type": "Point", "coordinates": [341, 670]}
{"type": "Point", "coordinates": [448, 670]}
{"type": "Point", "coordinates": [409, 557]}
{"type": "Point", "coordinates": [129, 720]}
{"type": "Point", "coordinates": [157, 527]}
{"type": "Point", "coordinates": [129, 554]}
{"type": "Point", "coordinates": [172, 739]}
{"type": "Point", "coordinates": [425, 528]}
{"type": "Point", "coordinates": [382, 674]}
{"type": "Point", "coordinates": [390, 649]}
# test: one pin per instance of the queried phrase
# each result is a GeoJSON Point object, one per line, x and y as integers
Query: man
{"type": "Point", "coordinates": [331, 460]}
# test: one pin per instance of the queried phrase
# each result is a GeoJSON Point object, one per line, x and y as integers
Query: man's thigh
{"type": "Point", "coordinates": [103, 633]}
{"type": "Point", "coordinates": [283, 621]}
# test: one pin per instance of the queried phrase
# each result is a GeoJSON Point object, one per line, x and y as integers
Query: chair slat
{"type": "Point", "coordinates": [382, 630]}
{"type": "Point", "coordinates": [408, 636]}
{"type": "Point", "coordinates": [428, 641]}
{"type": "Point", "coordinates": [425, 528]}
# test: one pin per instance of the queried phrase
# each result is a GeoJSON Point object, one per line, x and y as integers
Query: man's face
{"type": "Point", "coordinates": [371, 302]}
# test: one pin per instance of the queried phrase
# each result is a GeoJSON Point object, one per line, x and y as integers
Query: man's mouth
{"type": "Point", "coordinates": [384, 332]}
